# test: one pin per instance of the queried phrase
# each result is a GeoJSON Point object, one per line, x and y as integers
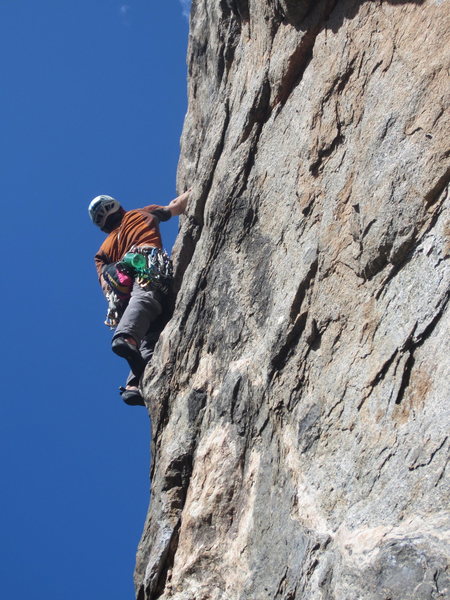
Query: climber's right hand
{"type": "Point", "coordinates": [178, 205]}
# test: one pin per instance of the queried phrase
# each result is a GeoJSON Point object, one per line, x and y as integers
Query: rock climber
{"type": "Point", "coordinates": [136, 296]}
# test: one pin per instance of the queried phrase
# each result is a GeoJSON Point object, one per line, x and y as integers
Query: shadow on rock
{"type": "Point", "coordinates": [332, 13]}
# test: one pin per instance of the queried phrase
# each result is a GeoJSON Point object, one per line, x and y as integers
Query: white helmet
{"type": "Point", "coordinates": [101, 207]}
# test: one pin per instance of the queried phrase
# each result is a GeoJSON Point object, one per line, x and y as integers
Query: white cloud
{"type": "Point", "coordinates": [186, 7]}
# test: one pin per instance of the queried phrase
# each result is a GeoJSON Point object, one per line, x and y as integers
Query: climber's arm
{"type": "Point", "coordinates": [178, 205]}
{"type": "Point", "coordinates": [100, 262]}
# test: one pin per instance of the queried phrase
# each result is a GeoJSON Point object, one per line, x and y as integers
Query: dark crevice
{"type": "Point", "coordinates": [302, 289]}
{"type": "Point", "coordinates": [169, 559]}
{"type": "Point", "coordinates": [159, 417]}
{"type": "Point", "coordinates": [298, 64]}
{"type": "Point", "coordinates": [400, 255]}
{"type": "Point", "coordinates": [339, 84]}
{"type": "Point", "coordinates": [435, 193]}
{"type": "Point", "coordinates": [233, 21]}
{"type": "Point", "coordinates": [383, 371]}
{"type": "Point", "coordinates": [258, 116]}
{"type": "Point", "coordinates": [192, 235]}
{"type": "Point", "coordinates": [158, 570]}
{"type": "Point", "coordinates": [298, 321]}
{"type": "Point", "coordinates": [200, 207]}
{"type": "Point", "coordinates": [437, 213]}
{"type": "Point", "coordinates": [378, 262]}
{"type": "Point", "coordinates": [239, 9]}
{"type": "Point", "coordinates": [345, 78]}
{"type": "Point", "coordinates": [197, 51]}
{"type": "Point", "coordinates": [264, 425]}
{"type": "Point", "coordinates": [406, 376]}
{"type": "Point", "coordinates": [250, 159]}
{"type": "Point", "coordinates": [296, 12]}
{"type": "Point", "coordinates": [413, 344]}
{"type": "Point", "coordinates": [242, 9]}
{"type": "Point", "coordinates": [279, 361]}
{"type": "Point", "coordinates": [176, 481]}
{"type": "Point", "coordinates": [191, 302]}
{"type": "Point", "coordinates": [396, 268]}
{"type": "Point", "coordinates": [431, 457]}
{"type": "Point", "coordinates": [441, 475]}
{"type": "Point", "coordinates": [315, 167]}
{"type": "Point", "coordinates": [141, 594]}
{"type": "Point", "coordinates": [234, 397]}
{"type": "Point", "coordinates": [228, 58]}
{"type": "Point", "coordinates": [221, 62]}
{"type": "Point", "coordinates": [406, 252]}
{"type": "Point", "coordinates": [260, 111]}
{"type": "Point", "coordinates": [314, 338]}
{"type": "Point", "coordinates": [195, 404]}
{"type": "Point", "coordinates": [250, 219]}
{"type": "Point", "coordinates": [368, 228]}
{"type": "Point", "coordinates": [281, 585]}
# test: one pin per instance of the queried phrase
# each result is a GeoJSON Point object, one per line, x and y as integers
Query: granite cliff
{"type": "Point", "coordinates": [298, 395]}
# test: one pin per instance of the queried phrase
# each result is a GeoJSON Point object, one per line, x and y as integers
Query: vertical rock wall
{"type": "Point", "coordinates": [298, 395]}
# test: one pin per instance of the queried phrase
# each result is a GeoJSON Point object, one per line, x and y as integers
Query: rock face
{"type": "Point", "coordinates": [298, 395]}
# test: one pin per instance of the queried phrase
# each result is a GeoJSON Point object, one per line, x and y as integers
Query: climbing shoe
{"type": "Point", "coordinates": [126, 349]}
{"type": "Point", "coordinates": [131, 397]}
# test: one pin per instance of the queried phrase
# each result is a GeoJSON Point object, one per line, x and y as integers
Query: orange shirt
{"type": "Point", "coordinates": [139, 227]}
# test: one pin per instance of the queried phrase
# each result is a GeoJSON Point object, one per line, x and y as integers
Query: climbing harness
{"type": "Point", "coordinates": [150, 267]}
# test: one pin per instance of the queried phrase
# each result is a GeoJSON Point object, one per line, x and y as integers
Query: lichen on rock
{"type": "Point", "coordinates": [298, 395]}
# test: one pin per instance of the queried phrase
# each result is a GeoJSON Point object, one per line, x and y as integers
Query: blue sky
{"type": "Point", "coordinates": [92, 101]}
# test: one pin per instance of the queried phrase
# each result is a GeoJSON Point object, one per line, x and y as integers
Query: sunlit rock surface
{"type": "Point", "coordinates": [299, 394]}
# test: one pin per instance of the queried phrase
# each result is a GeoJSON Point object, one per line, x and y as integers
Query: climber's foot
{"type": "Point", "coordinates": [131, 396]}
{"type": "Point", "coordinates": [126, 347]}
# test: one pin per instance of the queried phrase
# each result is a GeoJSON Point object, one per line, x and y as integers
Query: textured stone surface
{"type": "Point", "coordinates": [299, 393]}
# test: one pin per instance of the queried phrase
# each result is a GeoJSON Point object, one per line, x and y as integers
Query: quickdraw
{"type": "Point", "coordinates": [115, 310]}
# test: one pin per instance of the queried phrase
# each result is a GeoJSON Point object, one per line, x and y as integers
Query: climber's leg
{"type": "Point", "coordinates": [131, 394]}
{"type": "Point", "coordinates": [146, 351]}
{"type": "Point", "coordinates": [143, 308]}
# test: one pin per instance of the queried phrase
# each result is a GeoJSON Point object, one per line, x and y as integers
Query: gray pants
{"type": "Point", "coordinates": [143, 308]}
